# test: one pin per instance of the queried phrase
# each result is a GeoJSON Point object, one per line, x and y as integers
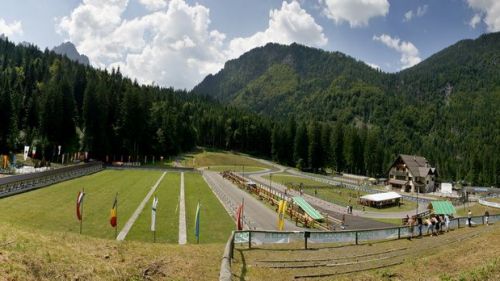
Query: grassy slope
{"type": "Point", "coordinates": [53, 207]}
{"type": "Point", "coordinates": [206, 158]}
{"type": "Point", "coordinates": [167, 215]}
{"type": "Point", "coordinates": [476, 210]}
{"type": "Point", "coordinates": [451, 258]}
{"type": "Point", "coordinates": [215, 223]}
{"type": "Point", "coordinates": [46, 255]}
{"type": "Point", "coordinates": [337, 195]}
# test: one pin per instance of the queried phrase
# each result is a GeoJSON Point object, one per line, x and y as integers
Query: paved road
{"type": "Point", "coordinates": [256, 214]}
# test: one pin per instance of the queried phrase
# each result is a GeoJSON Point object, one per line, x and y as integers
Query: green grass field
{"type": "Point", "coordinates": [215, 223]}
{"type": "Point", "coordinates": [284, 178]}
{"type": "Point", "coordinates": [336, 194]}
{"type": "Point", "coordinates": [167, 214]}
{"type": "Point", "coordinates": [53, 208]}
{"type": "Point", "coordinates": [476, 210]}
{"type": "Point", "coordinates": [496, 199]}
{"type": "Point", "coordinates": [214, 158]}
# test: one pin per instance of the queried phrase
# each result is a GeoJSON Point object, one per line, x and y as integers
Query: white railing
{"type": "Point", "coordinates": [484, 202]}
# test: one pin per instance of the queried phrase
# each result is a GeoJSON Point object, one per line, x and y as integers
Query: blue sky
{"type": "Point", "coordinates": [177, 42]}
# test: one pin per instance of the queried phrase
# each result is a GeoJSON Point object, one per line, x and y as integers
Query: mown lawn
{"type": "Point", "coordinates": [167, 213]}
{"type": "Point", "coordinates": [215, 223]}
{"type": "Point", "coordinates": [336, 194]}
{"type": "Point", "coordinates": [210, 158]}
{"type": "Point", "coordinates": [476, 210]}
{"type": "Point", "coordinates": [53, 207]}
{"type": "Point", "coordinates": [284, 178]}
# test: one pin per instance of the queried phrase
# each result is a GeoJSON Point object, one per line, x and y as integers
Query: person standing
{"type": "Point", "coordinates": [411, 226]}
{"type": "Point", "coordinates": [429, 226]}
{"type": "Point", "coordinates": [419, 225]}
{"type": "Point", "coordinates": [469, 218]}
{"type": "Point", "coordinates": [447, 222]}
{"type": "Point", "coordinates": [486, 217]}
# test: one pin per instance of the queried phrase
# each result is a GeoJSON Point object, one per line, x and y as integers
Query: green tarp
{"type": "Point", "coordinates": [442, 207]}
{"type": "Point", "coordinates": [313, 213]}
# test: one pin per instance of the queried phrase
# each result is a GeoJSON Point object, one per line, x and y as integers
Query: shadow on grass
{"type": "Point", "coordinates": [243, 271]}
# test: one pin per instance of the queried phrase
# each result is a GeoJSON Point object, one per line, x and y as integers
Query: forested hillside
{"type": "Point", "coordinates": [311, 109]}
{"type": "Point", "coordinates": [47, 100]}
{"type": "Point", "coordinates": [445, 108]}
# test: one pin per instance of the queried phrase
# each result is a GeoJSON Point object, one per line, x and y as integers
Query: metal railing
{"type": "Point", "coordinates": [22, 183]}
{"type": "Point", "coordinates": [261, 237]}
{"type": "Point", "coordinates": [485, 202]}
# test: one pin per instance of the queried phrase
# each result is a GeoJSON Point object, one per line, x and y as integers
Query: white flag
{"type": "Point", "coordinates": [26, 151]}
{"type": "Point", "coordinates": [153, 214]}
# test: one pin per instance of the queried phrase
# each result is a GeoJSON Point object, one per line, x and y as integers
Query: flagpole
{"type": "Point", "coordinates": [242, 211]}
{"type": "Point", "coordinates": [81, 221]}
{"type": "Point", "coordinates": [198, 224]}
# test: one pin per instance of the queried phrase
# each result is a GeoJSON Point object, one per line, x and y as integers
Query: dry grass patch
{"type": "Point", "coordinates": [45, 255]}
{"type": "Point", "coordinates": [464, 254]}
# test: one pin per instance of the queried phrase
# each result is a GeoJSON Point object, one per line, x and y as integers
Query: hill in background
{"type": "Point", "coordinates": [445, 108]}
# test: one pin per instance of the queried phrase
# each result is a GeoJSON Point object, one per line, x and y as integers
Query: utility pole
{"type": "Point", "coordinates": [417, 201]}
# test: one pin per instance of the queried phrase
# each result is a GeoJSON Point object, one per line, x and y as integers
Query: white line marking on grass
{"type": "Point", "coordinates": [121, 236]}
{"type": "Point", "coordinates": [182, 215]}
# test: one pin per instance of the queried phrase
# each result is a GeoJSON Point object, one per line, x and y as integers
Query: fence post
{"type": "Point", "coordinates": [483, 219]}
{"type": "Point", "coordinates": [399, 232]}
{"type": "Point", "coordinates": [249, 239]}
{"type": "Point", "coordinates": [356, 237]}
{"type": "Point", "coordinates": [306, 236]}
{"type": "Point", "coordinates": [231, 253]}
{"type": "Point", "coordinates": [458, 223]}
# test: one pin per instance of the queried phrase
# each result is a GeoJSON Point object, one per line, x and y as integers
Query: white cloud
{"type": "Point", "coordinates": [408, 16]}
{"type": "Point", "coordinates": [490, 9]}
{"type": "Point", "coordinates": [174, 46]}
{"type": "Point", "coordinates": [374, 66]}
{"type": "Point", "coordinates": [356, 12]}
{"type": "Point", "coordinates": [420, 12]}
{"type": "Point", "coordinates": [475, 20]}
{"type": "Point", "coordinates": [409, 53]}
{"type": "Point", "coordinates": [11, 29]}
{"type": "Point", "coordinates": [289, 24]}
{"type": "Point", "coordinates": [154, 5]}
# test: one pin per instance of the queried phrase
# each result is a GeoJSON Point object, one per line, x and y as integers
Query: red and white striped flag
{"type": "Point", "coordinates": [79, 205]}
{"type": "Point", "coordinates": [239, 217]}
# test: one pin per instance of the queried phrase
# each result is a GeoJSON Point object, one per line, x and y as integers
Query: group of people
{"type": "Point", "coordinates": [435, 224]}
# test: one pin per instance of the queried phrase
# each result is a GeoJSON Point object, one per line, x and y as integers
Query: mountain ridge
{"type": "Point", "coordinates": [69, 49]}
{"type": "Point", "coordinates": [444, 108]}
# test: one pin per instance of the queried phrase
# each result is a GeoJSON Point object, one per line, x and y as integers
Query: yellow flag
{"type": "Point", "coordinates": [283, 212]}
{"type": "Point", "coordinates": [280, 212]}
